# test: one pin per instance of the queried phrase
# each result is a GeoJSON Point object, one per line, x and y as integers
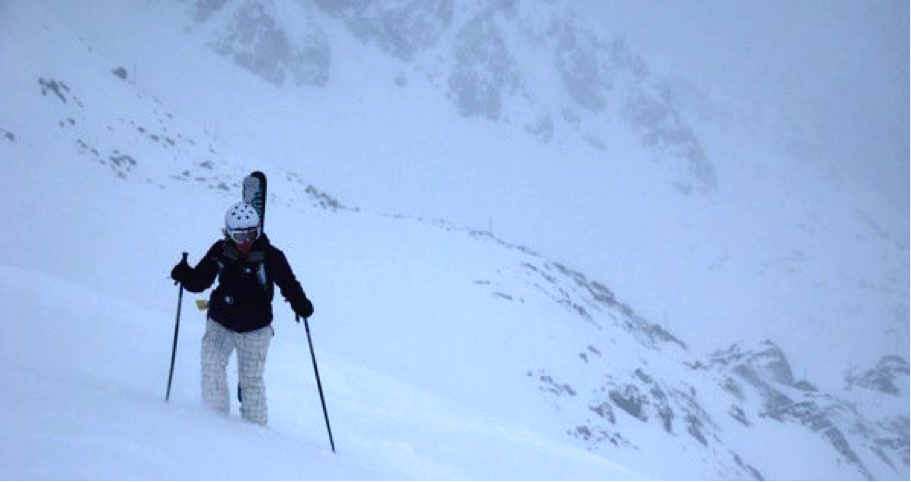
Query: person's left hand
{"type": "Point", "coordinates": [303, 308]}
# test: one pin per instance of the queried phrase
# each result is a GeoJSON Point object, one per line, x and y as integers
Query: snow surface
{"type": "Point", "coordinates": [445, 351]}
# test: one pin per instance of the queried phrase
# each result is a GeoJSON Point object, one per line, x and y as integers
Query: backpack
{"type": "Point", "coordinates": [229, 254]}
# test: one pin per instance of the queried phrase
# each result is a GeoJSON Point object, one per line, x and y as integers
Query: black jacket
{"type": "Point", "coordinates": [242, 301]}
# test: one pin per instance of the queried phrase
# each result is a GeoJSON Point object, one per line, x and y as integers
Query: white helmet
{"type": "Point", "coordinates": [242, 223]}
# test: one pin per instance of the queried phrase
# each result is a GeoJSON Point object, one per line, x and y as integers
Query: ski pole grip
{"type": "Point", "coordinates": [184, 260]}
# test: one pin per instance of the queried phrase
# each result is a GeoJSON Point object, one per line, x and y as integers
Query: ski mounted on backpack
{"type": "Point", "coordinates": [254, 194]}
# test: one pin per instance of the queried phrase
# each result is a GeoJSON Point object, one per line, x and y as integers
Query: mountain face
{"type": "Point", "coordinates": [885, 377]}
{"type": "Point", "coordinates": [764, 375]}
{"type": "Point", "coordinates": [401, 28]}
{"type": "Point", "coordinates": [558, 349]}
{"type": "Point", "coordinates": [255, 39]}
{"type": "Point", "coordinates": [475, 54]}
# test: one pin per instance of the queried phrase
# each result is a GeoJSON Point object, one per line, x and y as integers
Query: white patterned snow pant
{"type": "Point", "coordinates": [217, 345]}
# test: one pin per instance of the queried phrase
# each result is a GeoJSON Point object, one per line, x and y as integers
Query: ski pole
{"type": "Point", "coordinates": [176, 329]}
{"type": "Point", "coordinates": [319, 385]}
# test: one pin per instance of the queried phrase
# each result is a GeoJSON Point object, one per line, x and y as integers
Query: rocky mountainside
{"type": "Point", "coordinates": [476, 54]}
{"type": "Point", "coordinates": [886, 377]}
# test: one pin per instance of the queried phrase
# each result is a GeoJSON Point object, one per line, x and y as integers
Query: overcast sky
{"type": "Point", "coordinates": [837, 67]}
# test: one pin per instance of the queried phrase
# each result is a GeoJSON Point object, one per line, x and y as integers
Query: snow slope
{"type": "Point", "coordinates": [446, 351]}
{"type": "Point", "coordinates": [88, 404]}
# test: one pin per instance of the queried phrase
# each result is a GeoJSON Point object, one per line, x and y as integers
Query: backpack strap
{"type": "Point", "coordinates": [261, 272]}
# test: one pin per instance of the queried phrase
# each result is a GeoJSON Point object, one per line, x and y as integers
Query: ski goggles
{"type": "Point", "coordinates": [241, 236]}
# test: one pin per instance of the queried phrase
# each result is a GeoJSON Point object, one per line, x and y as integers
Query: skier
{"type": "Point", "coordinates": [240, 309]}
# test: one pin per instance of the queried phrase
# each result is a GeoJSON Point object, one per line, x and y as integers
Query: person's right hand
{"type": "Point", "coordinates": [181, 272]}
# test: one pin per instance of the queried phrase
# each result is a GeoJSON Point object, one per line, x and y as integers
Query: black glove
{"type": "Point", "coordinates": [302, 308]}
{"type": "Point", "coordinates": [182, 272]}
